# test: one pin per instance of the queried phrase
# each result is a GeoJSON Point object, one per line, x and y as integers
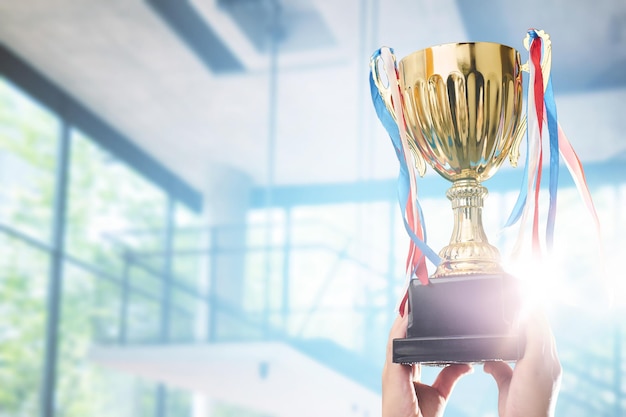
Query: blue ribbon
{"type": "Point", "coordinates": [518, 208]}
{"type": "Point", "coordinates": [403, 177]}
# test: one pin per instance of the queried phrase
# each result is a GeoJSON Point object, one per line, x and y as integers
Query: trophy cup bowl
{"type": "Point", "coordinates": [462, 106]}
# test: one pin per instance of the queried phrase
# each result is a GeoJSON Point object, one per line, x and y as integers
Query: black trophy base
{"type": "Point", "coordinates": [462, 319]}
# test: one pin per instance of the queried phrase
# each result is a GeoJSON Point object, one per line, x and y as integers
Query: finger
{"type": "Point", "coordinates": [449, 376]}
{"type": "Point", "coordinates": [417, 372]}
{"type": "Point", "coordinates": [501, 372]}
{"type": "Point", "coordinates": [398, 331]}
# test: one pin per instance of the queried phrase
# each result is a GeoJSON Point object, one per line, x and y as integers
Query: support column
{"type": "Point", "coordinates": [227, 199]}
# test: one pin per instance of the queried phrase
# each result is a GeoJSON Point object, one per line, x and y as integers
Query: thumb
{"type": "Point", "coordinates": [395, 371]}
{"type": "Point", "coordinates": [398, 331]}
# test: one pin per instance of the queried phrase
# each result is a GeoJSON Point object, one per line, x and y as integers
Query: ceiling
{"type": "Point", "coordinates": [195, 93]}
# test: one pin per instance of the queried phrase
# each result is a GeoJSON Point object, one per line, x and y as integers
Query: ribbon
{"type": "Point", "coordinates": [536, 84]}
{"type": "Point", "coordinates": [553, 129]}
{"type": "Point", "coordinates": [541, 110]}
{"type": "Point", "coordinates": [407, 188]}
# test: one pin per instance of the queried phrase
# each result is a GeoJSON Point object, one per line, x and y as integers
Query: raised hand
{"type": "Point", "coordinates": [403, 393]}
{"type": "Point", "coordinates": [531, 389]}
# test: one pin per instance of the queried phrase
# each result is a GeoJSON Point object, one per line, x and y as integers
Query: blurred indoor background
{"type": "Point", "coordinates": [198, 213]}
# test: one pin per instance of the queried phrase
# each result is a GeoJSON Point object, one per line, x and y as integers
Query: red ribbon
{"type": "Point", "coordinates": [535, 58]}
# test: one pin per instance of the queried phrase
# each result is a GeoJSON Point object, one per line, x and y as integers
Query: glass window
{"type": "Point", "coordinates": [92, 317]}
{"type": "Point", "coordinates": [190, 249]}
{"type": "Point", "coordinates": [184, 315]}
{"type": "Point", "coordinates": [179, 402]}
{"type": "Point", "coordinates": [28, 147]}
{"type": "Point", "coordinates": [143, 320]}
{"type": "Point", "coordinates": [113, 293]}
{"type": "Point", "coordinates": [112, 210]}
{"type": "Point", "coordinates": [264, 256]}
{"type": "Point", "coordinates": [116, 222]}
{"type": "Point", "coordinates": [90, 314]}
{"type": "Point", "coordinates": [321, 271]}
{"type": "Point", "coordinates": [190, 284]}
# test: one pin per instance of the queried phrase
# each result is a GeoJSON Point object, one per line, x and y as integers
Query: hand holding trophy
{"type": "Point", "coordinates": [458, 109]}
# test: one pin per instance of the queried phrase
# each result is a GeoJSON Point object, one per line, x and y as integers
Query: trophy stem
{"type": "Point", "coordinates": [469, 251]}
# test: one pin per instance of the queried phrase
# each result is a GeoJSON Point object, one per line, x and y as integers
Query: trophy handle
{"type": "Point", "coordinates": [546, 66]}
{"type": "Point", "coordinates": [385, 91]}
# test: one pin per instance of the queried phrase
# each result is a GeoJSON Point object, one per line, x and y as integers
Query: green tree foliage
{"type": "Point", "coordinates": [23, 274]}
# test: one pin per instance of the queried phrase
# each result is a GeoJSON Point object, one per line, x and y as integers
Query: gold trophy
{"type": "Point", "coordinates": [462, 106]}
